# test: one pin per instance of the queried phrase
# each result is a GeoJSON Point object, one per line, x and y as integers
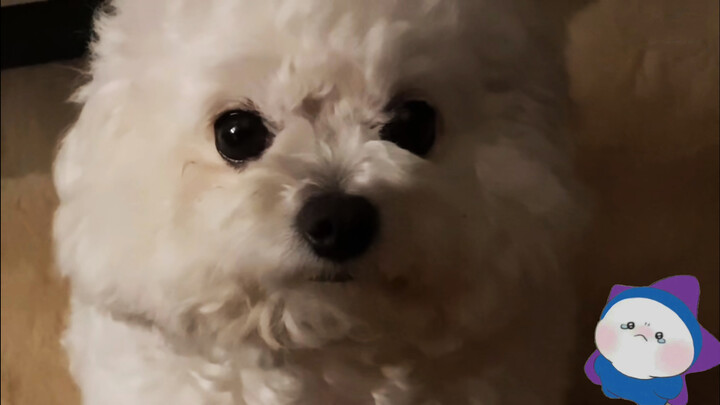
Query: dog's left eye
{"type": "Point", "coordinates": [241, 135]}
{"type": "Point", "coordinates": [412, 126]}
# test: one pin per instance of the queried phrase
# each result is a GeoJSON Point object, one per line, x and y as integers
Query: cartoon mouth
{"type": "Point", "coordinates": [641, 335]}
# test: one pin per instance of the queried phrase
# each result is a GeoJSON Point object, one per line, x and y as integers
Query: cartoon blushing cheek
{"type": "Point", "coordinates": [674, 358]}
{"type": "Point", "coordinates": [606, 338]}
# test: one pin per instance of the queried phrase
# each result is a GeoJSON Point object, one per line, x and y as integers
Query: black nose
{"type": "Point", "coordinates": [338, 226]}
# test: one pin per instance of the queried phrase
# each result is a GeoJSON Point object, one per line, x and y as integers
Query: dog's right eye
{"type": "Point", "coordinates": [241, 135]}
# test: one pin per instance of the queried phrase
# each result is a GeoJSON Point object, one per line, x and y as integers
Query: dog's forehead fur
{"type": "Point", "coordinates": [296, 48]}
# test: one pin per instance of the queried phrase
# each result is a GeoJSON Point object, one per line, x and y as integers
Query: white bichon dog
{"type": "Point", "coordinates": [319, 202]}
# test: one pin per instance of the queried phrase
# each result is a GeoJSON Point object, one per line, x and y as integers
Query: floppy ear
{"type": "Point", "coordinates": [96, 121]}
{"type": "Point", "coordinates": [69, 171]}
{"type": "Point", "coordinates": [67, 167]}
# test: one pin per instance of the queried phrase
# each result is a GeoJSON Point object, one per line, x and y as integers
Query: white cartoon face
{"type": "Point", "coordinates": [644, 339]}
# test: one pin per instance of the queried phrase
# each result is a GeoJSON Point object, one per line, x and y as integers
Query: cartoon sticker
{"type": "Point", "coordinates": [648, 339]}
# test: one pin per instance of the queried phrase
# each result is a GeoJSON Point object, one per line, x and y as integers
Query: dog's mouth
{"type": "Point", "coordinates": [334, 277]}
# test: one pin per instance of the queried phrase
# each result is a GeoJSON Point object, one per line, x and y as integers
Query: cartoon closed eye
{"type": "Point", "coordinates": [648, 339]}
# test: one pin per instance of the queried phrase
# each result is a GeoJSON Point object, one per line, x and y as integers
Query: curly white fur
{"type": "Point", "coordinates": [189, 284]}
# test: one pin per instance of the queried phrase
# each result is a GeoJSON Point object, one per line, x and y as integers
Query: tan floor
{"type": "Point", "coordinates": [645, 81]}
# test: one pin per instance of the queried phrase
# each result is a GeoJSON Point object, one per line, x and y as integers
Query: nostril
{"type": "Point", "coordinates": [322, 231]}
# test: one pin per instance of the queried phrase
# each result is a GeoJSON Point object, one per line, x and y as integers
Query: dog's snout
{"type": "Point", "coordinates": [338, 226]}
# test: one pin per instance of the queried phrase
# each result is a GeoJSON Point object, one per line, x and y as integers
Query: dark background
{"type": "Point", "coordinates": [45, 32]}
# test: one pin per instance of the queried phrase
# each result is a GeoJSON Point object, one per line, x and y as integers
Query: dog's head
{"type": "Point", "coordinates": [299, 168]}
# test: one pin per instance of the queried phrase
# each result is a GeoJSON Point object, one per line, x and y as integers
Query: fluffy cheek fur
{"type": "Point", "coordinates": [154, 225]}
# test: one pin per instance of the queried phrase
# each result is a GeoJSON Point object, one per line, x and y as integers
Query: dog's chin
{"type": "Point", "coordinates": [334, 277]}
{"type": "Point", "coordinates": [322, 271]}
